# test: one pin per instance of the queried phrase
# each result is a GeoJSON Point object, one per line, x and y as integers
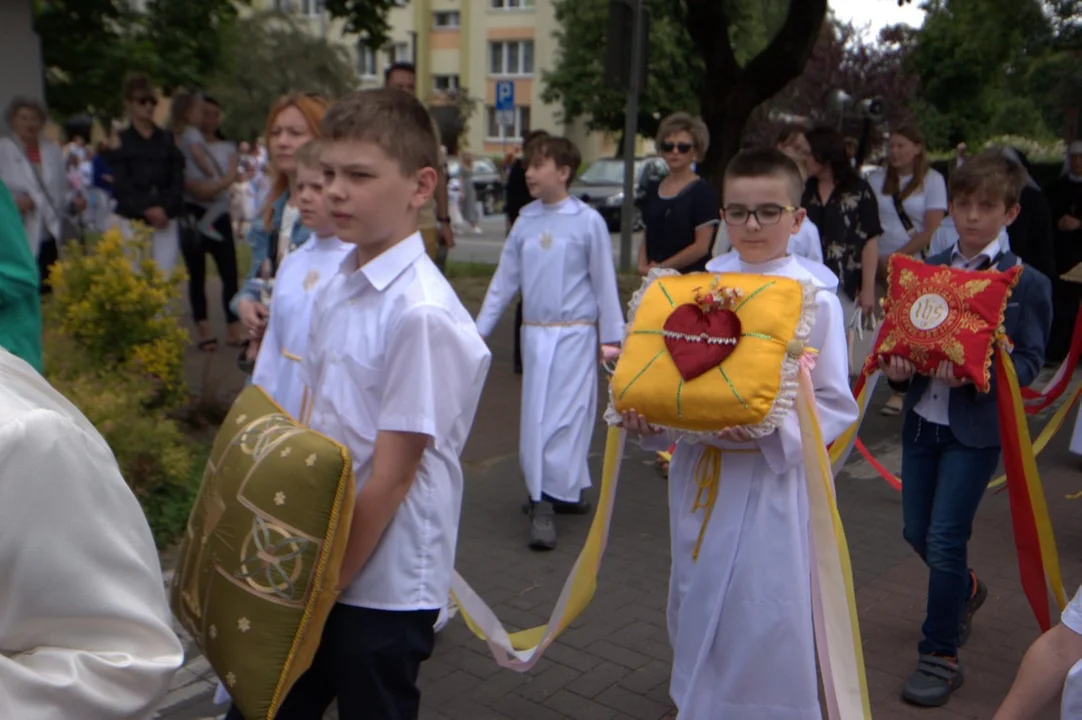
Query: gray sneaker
{"type": "Point", "coordinates": [542, 526]}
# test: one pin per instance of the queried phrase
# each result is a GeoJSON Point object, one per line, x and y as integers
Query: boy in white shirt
{"type": "Point", "coordinates": [302, 275]}
{"type": "Point", "coordinates": [395, 367]}
{"type": "Point", "coordinates": [740, 590]}
{"type": "Point", "coordinates": [559, 254]}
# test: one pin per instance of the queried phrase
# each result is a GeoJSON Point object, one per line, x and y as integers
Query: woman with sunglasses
{"type": "Point", "coordinates": [681, 211]}
{"type": "Point", "coordinates": [148, 174]}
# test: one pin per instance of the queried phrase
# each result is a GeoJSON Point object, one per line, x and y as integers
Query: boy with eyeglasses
{"type": "Point", "coordinates": [740, 613]}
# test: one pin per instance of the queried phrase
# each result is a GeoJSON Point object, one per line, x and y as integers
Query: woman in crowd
{"type": "Point", "coordinates": [912, 201]}
{"type": "Point", "coordinates": [204, 192]}
{"type": "Point", "coordinates": [1031, 232]}
{"type": "Point", "coordinates": [680, 212]}
{"type": "Point", "coordinates": [1065, 201]}
{"type": "Point", "coordinates": [277, 229]}
{"type": "Point", "coordinates": [32, 168]}
{"type": "Point", "coordinates": [148, 174]}
{"type": "Point", "coordinates": [844, 208]}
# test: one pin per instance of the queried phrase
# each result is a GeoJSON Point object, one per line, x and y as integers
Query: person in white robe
{"type": "Point", "coordinates": [740, 590]}
{"type": "Point", "coordinates": [85, 629]}
{"type": "Point", "coordinates": [559, 254]}
{"type": "Point", "coordinates": [301, 276]}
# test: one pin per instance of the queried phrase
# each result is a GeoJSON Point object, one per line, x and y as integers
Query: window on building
{"type": "Point", "coordinates": [399, 52]}
{"type": "Point", "coordinates": [511, 57]}
{"type": "Point", "coordinates": [284, 6]}
{"type": "Point", "coordinates": [494, 131]}
{"type": "Point", "coordinates": [445, 19]}
{"type": "Point", "coordinates": [512, 4]}
{"type": "Point", "coordinates": [445, 83]}
{"type": "Point", "coordinates": [311, 8]}
{"type": "Point", "coordinates": [366, 60]}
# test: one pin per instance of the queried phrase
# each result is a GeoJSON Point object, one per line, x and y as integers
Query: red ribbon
{"type": "Point", "coordinates": [1037, 400]}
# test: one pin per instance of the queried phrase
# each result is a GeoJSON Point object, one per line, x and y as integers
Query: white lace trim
{"type": "Point", "coordinates": [785, 400]}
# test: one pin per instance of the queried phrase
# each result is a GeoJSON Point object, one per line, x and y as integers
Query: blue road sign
{"type": "Point", "coordinates": [505, 95]}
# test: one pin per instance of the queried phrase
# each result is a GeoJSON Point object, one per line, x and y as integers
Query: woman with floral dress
{"type": "Point", "coordinates": [844, 208]}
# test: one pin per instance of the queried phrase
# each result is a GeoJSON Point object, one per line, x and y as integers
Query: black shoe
{"type": "Point", "coordinates": [542, 526]}
{"type": "Point", "coordinates": [582, 507]}
{"type": "Point", "coordinates": [932, 683]}
{"type": "Point", "coordinates": [973, 604]}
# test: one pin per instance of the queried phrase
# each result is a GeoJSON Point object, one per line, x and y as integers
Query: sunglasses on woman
{"type": "Point", "coordinates": [683, 148]}
{"type": "Point", "coordinates": [145, 100]}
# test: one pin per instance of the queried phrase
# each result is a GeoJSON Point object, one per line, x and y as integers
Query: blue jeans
{"type": "Point", "coordinates": [943, 482]}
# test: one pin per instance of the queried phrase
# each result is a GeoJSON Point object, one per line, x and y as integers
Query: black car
{"type": "Point", "coordinates": [486, 181]}
{"type": "Point", "coordinates": [601, 186]}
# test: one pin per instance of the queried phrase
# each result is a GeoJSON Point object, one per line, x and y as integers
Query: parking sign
{"type": "Point", "coordinates": [505, 95]}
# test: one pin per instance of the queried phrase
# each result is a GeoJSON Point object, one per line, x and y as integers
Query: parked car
{"type": "Point", "coordinates": [486, 181]}
{"type": "Point", "coordinates": [601, 186]}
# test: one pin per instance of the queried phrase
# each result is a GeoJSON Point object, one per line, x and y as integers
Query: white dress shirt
{"type": "Point", "coordinates": [1071, 704]}
{"type": "Point", "coordinates": [932, 195]}
{"type": "Point", "coordinates": [392, 349]}
{"type": "Point", "coordinates": [934, 404]}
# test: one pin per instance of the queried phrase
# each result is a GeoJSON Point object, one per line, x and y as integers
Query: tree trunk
{"type": "Point", "coordinates": [731, 92]}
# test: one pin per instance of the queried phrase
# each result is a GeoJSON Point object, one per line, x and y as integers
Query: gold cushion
{"type": "Point", "coordinates": [260, 559]}
{"type": "Point", "coordinates": [705, 352]}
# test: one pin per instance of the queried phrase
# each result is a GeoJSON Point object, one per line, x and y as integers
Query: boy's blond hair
{"type": "Point", "coordinates": [308, 154]}
{"type": "Point", "coordinates": [394, 120]}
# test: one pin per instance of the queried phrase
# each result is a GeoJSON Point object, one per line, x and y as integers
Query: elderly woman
{"type": "Point", "coordinates": [32, 168]}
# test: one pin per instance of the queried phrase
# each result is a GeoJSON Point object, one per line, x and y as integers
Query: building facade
{"type": "Point", "coordinates": [466, 46]}
{"type": "Point", "coordinates": [20, 55]}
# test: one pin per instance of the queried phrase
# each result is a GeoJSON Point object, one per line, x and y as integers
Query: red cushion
{"type": "Point", "coordinates": [936, 313]}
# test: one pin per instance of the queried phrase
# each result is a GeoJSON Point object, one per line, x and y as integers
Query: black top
{"type": "Point", "coordinates": [147, 171]}
{"type": "Point", "coordinates": [848, 220]}
{"type": "Point", "coordinates": [1031, 232]}
{"type": "Point", "coordinates": [671, 222]}
{"type": "Point", "coordinates": [517, 195]}
{"type": "Point", "coordinates": [1065, 198]}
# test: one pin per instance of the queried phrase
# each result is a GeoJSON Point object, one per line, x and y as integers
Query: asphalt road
{"type": "Point", "coordinates": [486, 247]}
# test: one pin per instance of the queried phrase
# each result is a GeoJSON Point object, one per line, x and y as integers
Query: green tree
{"type": "Point", "coordinates": [277, 56]}
{"type": "Point", "coordinates": [367, 18]}
{"type": "Point", "coordinates": [89, 45]}
{"type": "Point", "coordinates": [577, 81]}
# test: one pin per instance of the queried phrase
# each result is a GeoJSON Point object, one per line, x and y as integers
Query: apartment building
{"type": "Point", "coordinates": [20, 54]}
{"type": "Point", "coordinates": [466, 46]}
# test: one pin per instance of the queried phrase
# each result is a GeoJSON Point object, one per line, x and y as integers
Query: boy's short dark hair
{"type": "Point", "coordinates": [395, 121]}
{"type": "Point", "coordinates": [134, 83]}
{"type": "Point", "coordinates": [767, 162]}
{"type": "Point", "coordinates": [308, 154]}
{"type": "Point", "coordinates": [559, 149]}
{"type": "Point", "coordinates": [989, 176]}
{"type": "Point", "coordinates": [403, 66]}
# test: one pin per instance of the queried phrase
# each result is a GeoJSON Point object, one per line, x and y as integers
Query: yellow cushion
{"type": "Point", "coordinates": [259, 561]}
{"type": "Point", "coordinates": [753, 387]}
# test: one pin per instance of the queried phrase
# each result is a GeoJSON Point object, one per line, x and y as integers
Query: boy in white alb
{"type": "Point", "coordinates": [559, 254]}
{"type": "Point", "coordinates": [740, 616]}
{"type": "Point", "coordinates": [395, 367]}
{"type": "Point", "coordinates": [302, 275]}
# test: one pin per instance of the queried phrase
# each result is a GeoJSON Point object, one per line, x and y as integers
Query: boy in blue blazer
{"type": "Point", "coordinates": [950, 439]}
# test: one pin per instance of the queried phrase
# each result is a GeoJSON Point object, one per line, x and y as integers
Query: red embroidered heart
{"type": "Point", "coordinates": [697, 341]}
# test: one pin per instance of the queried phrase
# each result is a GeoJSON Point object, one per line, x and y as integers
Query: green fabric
{"type": "Point", "coordinates": [20, 300]}
{"type": "Point", "coordinates": [260, 557]}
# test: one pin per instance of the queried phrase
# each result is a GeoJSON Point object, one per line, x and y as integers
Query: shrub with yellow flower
{"type": "Point", "coordinates": [114, 346]}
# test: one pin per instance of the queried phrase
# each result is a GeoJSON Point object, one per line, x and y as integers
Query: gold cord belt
{"type": "Point", "coordinates": [290, 356]}
{"type": "Point", "coordinates": [707, 477]}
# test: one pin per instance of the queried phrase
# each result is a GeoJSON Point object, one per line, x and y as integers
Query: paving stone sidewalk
{"type": "Point", "coordinates": [614, 662]}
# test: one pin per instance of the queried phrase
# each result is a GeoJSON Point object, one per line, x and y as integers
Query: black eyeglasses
{"type": "Point", "coordinates": [682, 148]}
{"type": "Point", "coordinates": [145, 100]}
{"type": "Point", "coordinates": [764, 214]}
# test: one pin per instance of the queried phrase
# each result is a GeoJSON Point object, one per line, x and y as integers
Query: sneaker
{"type": "Point", "coordinates": [542, 526]}
{"type": "Point", "coordinates": [560, 507]}
{"type": "Point", "coordinates": [932, 683]}
{"type": "Point", "coordinates": [973, 604]}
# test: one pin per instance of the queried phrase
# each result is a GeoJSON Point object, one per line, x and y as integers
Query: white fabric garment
{"type": "Point", "coordinates": [302, 274]}
{"type": "Point", "coordinates": [85, 629]}
{"type": "Point", "coordinates": [946, 236]}
{"type": "Point", "coordinates": [805, 242]}
{"type": "Point", "coordinates": [932, 195]}
{"type": "Point", "coordinates": [740, 618]}
{"type": "Point", "coordinates": [19, 176]}
{"type": "Point", "coordinates": [1076, 434]}
{"type": "Point", "coordinates": [934, 404]}
{"type": "Point", "coordinates": [291, 215]}
{"type": "Point", "coordinates": [392, 349]}
{"type": "Point", "coordinates": [1071, 703]}
{"type": "Point", "coordinates": [164, 243]}
{"type": "Point", "coordinates": [560, 257]}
